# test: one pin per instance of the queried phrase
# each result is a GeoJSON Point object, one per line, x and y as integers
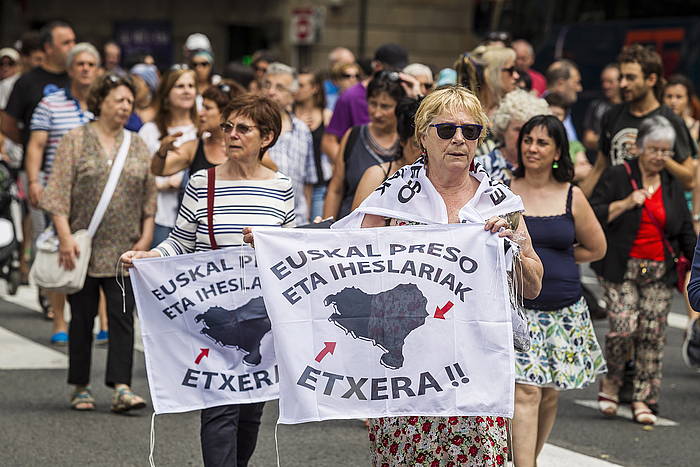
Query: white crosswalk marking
{"type": "Point", "coordinates": [625, 412]}
{"type": "Point", "coordinates": [19, 353]}
{"type": "Point", "coordinates": [554, 456]}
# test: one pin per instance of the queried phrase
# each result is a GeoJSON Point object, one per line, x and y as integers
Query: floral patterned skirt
{"type": "Point", "coordinates": [438, 441]}
{"type": "Point", "coordinates": [564, 352]}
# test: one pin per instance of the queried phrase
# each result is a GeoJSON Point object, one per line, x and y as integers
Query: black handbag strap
{"type": "Point", "coordinates": [667, 244]}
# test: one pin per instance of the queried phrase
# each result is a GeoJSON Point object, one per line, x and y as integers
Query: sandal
{"type": "Point", "coordinates": [124, 400]}
{"type": "Point", "coordinates": [644, 415]}
{"type": "Point", "coordinates": [608, 404]}
{"type": "Point", "coordinates": [82, 400]}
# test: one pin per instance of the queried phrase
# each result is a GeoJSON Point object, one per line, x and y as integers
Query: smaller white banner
{"type": "Point", "coordinates": [206, 333]}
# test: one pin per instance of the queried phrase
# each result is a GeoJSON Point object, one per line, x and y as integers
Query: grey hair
{"type": "Point", "coordinates": [656, 128]}
{"type": "Point", "coordinates": [277, 68]}
{"type": "Point", "coordinates": [81, 48]}
{"type": "Point", "coordinates": [418, 69]}
{"type": "Point", "coordinates": [520, 106]}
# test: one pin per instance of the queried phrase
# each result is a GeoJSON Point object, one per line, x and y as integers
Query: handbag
{"type": "Point", "coordinates": [46, 271]}
{"type": "Point", "coordinates": [681, 263]}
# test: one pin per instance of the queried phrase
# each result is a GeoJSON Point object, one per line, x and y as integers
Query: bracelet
{"type": "Point", "coordinates": [33, 181]}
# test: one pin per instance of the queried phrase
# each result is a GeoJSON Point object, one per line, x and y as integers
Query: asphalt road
{"type": "Point", "coordinates": [38, 429]}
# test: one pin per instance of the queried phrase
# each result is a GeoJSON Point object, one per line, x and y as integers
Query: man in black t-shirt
{"type": "Point", "coordinates": [57, 39]}
{"type": "Point", "coordinates": [640, 74]}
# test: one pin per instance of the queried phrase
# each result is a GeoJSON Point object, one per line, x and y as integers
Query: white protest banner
{"type": "Point", "coordinates": [206, 334]}
{"type": "Point", "coordinates": [388, 321]}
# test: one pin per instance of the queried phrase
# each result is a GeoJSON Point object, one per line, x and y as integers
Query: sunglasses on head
{"type": "Point", "coordinates": [179, 66]}
{"type": "Point", "coordinates": [470, 131]}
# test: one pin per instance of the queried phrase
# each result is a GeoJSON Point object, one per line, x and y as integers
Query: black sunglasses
{"type": "Point", "coordinates": [200, 64]}
{"type": "Point", "coordinates": [348, 76]}
{"type": "Point", "coordinates": [510, 70]}
{"type": "Point", "coordinates": [470, 131]}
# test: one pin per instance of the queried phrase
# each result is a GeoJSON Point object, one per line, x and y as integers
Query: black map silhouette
{"type": "Point", "coordinates": [385, 319]}
{"type": "Point", "coordinates": [242, 328]}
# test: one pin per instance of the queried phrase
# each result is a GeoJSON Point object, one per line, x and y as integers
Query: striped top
{"type": "Point", "coordinates": [57, 114]}
{"type": "Point", "coordinates": [237, 204]}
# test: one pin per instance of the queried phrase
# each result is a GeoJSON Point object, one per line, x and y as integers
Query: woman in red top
{"type": "Point", "coordinates": [644, 214]}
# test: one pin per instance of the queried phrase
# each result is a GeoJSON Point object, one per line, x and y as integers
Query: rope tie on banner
{"type": "Point", "coordinates": [152, 442]}
{"type": "Point", "coordinates": [122, 284]}
{"type": "Point", "coordinates": [277, 447]}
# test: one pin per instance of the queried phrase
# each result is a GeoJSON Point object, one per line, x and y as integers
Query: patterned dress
{"type": "Point", "coordinates": [437, 441]}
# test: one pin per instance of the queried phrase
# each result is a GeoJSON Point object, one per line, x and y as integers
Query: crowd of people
{"type": "Point", "coordinates": [207, 155]}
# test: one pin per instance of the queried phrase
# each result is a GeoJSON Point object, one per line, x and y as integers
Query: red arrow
{"type": "Point", "coordinates": [328, 349]}
{"type": "Point", "coordinates": [440, 312]}
{"type": "Point", "coordinates": [202, 354]}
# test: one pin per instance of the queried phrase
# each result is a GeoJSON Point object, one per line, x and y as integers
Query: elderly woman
{"type": "Point", "coordinates": [643, 211]}
{"type": "Point", "coordinates": [81, 168]}
{"type": "Point", "coordinates": [448, 127]}
{"type": "Point", "coordinates": [242, 196]}
{"type": "Point", "coordinates": [423, 74]}
{"type": "Point", "coordinates": [564, 353]}
{"type": "Point", "coordinates": [516, 108]}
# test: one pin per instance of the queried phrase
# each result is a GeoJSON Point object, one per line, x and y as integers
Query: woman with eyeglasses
{"type": "Point", "coordinates": [364, 146]}
{"type": "Point", "coordinates": [449, 124]}
{"type": "Point", "coordinates": [174, 126]}
{"type": "Point", "coordinates": [564, 352]}
{"type": "Point", "coordinates": [643, 211]}
{"type": "Point", "coordinates": [310, 108]}
{"type": "Point", "coordinates": [80, 172]}
{"type": "Point", "coordinates": [209, 150]}
{"type": "Point", "coordinates": [245, 193]}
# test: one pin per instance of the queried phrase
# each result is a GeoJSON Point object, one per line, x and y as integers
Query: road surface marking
{"type": "Point", "coordinates": [625, 412]}
{"type": "Point", "coordinates": [554, 456]}
{"type": "Point", "coordinates": [20, 353]}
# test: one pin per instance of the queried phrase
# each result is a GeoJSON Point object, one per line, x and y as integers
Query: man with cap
{"type": "Point", "coordinates": [9, 73]}
{"type": "Point", "coordinates": [196, 41]}
{"type": "Point", "coordinates": [351, 107]}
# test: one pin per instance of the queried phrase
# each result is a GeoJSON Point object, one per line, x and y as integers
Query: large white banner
{"type": "Point", "coordinates": [206, 334]}
{"type": "Point", "coordinates": [388, 321]}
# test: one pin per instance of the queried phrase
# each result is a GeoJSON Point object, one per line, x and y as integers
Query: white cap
{"type": "Point", "coordinates": [10, 53]}
{"type": "Point", "coordinates": [197, 41]}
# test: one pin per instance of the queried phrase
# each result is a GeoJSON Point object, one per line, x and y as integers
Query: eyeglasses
{"type": "Point", "coordinates": [659, 151]}
{"type": "Point", "coordinates": [241, 128]}
{"type": "Point", "coordinates": [278, 87]}
{"type": "Point", "coordinates": [201, 64]}
{"type": "Point", "coordinates": [510, 70]}
{"type": "Point", "coordinates": [470, 131]}
{"type": "Point", "coordinates": [348, 76]}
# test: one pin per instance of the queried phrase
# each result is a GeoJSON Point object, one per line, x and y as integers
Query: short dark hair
{"type": "Point", "coordinates": [406, 118]}
{"type": "Point", "coordinates": [561, 69]}
{"type": "Point", "coordinates": [223, 92]}
{"type": "Point", "coordinates": [101, 88]}
{"type": "Point", "coordinates": [557, 100]}
{"type": "Point", "coordinates": [388, 82]}
{"type": "Point", "coordinates": [649, 61]}
{"type": "Point", "coordinates": [266, 114]}
{"type": "Point", "coordinates": [46, 32]}
{"type": "Point", "coordinates": [555, 129]}
{"type": "Point", "coordinates": [240, 73]}
{"type": "Point", "coordinates": [31, 42]}
{"type": "Point", "coordinates": [677, 79]}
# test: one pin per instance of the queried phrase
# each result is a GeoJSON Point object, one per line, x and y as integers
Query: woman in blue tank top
{"type": "Point", "coordinates": [564, 352]}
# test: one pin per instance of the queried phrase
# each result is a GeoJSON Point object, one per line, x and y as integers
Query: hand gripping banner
{"type": "Point", "coordinates": [206, 334]}
{"type": "Point", "coordinates": [388, 321]}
